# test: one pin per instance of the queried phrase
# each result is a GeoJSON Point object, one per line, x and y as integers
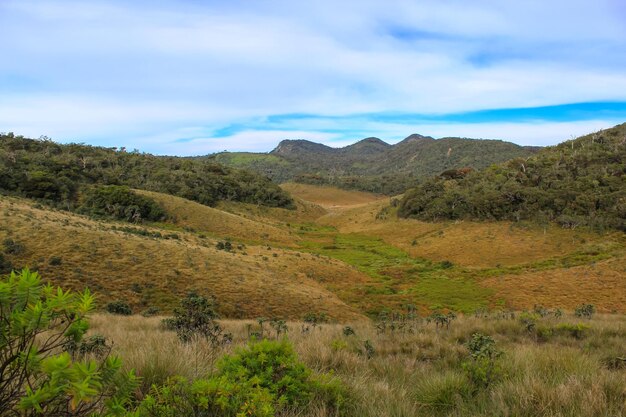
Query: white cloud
{"type": "Point", "coordinates": [132, 70]}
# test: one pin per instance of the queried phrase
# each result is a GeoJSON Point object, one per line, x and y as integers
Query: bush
{"type": "Point", "coordinates": [120, 203]}
{"type": "Point", "coordinates": [5, 265]}
{"type": "Point", "coordinates": [55, 261]}
{"type": "Point", "coordinates": [262, 380]}
{"type": "Point", "coordinates": [119, 307]}
{"type": "Point", "coordinates": [150, 311]}
{"type": "Point", "coordinates": [482, 368]}
{"type": "Point", "coordinates": [195, 317]}
{"type": "Point", "coordinates": [38, 376]}
{"type": "Point", "coordinates": [585, 310]}
{"type": "Point", "coordinates": [12, 247]}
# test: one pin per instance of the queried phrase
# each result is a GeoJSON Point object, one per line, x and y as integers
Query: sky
{"type": "Point", "coordinates": [191, 77]}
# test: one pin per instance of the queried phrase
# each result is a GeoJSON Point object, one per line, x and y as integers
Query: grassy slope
{"type": "Point", "coordinates": [157, 272]}
{"type": "Point", "coordinates": [330, 197]}
{"type": "Point", "coordinates": [339, 259]}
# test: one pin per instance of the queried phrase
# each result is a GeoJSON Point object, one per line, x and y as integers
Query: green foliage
{"type": "Point", "coordinates": [577, 331]}
{"type": "Point", "coordinates": [372, 165]}
{"type": "Point", "coordinates": [196, 317]}
{"type": "Point", "coordinates": [38, 376]}
{"type": "Point", "coordinates": [579, 182]}
{"type": "Point", "coordinates": [12, 247]}
{"type": "Point", "coordinates": [348, 331]}
{"type": "Point", "coordinates": [121, 203]}
{"type": "Point", "coordinates": [57, 173]}
{"type": "Point", "coordinates": [119, 307]}
{"type": "Point", "coordinates": [585, 310]}
{"type": "Point", "coordinates": [262, 379]}
{"type": "Point", "coordinates": [482, 367]}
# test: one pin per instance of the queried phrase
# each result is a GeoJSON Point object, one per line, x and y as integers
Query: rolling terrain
{"type": "Point", "coordinates": [371, 164]}
{"type": "Point", "coordinates": [344, 259]}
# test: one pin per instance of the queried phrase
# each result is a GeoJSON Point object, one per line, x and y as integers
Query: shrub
{"type": "Point", "coordinates": [120, 202]}
{"type": "Point", "coordinates": [119, 307]}
{"type": "Point", "coordinates": [55, 260]}
{"type": "Point", "coordinates": [585, 310]}
{"type": "Point", "coordinates": [576, 331]}
{"type": "Point", "coordinates": [195, 317]}
{"type": "Point", "coordinates": [150, 311]}
{"type": "Point", "coordinates": [12, 247]}
{"type": "Point", "coordinates": [38, 376]}
{"type": "Point", "coordinates": [482, 367]}
{"type": "Point", "coordinates": [261, 380]}
{"type": "Point", "coordinates": [348, 331]}
{"type": "Point", "coordinates": [5, 264]}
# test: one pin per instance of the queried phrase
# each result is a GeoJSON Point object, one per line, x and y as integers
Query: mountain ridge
{"type": "Point", "coordinates": [372, 164]}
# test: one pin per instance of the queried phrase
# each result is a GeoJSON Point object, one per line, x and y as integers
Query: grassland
{"type": "Point", "coordinates": [420, 370]}
{"type": "Point", "coordinates": [339, 252]}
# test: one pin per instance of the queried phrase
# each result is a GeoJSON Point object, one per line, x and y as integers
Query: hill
{"type": "Point", "coordinates": [578, 182]}
{"type": "Point", "coordinates": [59, 174]}
{"type": "Point", "coordinates": [371, 164]}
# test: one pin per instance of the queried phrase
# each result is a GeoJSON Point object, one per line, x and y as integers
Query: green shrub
{"type": "Point", "coordinates": [119, 307]}
{"type": "Point", "coordinates": [576, 331]}
{"type": "Point", "coordinates": [38, 376]}
{"type": "Point", "coordinates": [482, 367]}
{"type": "Point", "coordinates": [150, 311]}
{"type": "Point", "coordinates": [120, 202]}
{"type": "Point", "coordinates": [585, 310]}
{"type": "Point", "coordinates": [195, 317]}
{"type": "Point", "coordinates": [12, 247]}
{"type": "Point", "coordinates": [261, 380]}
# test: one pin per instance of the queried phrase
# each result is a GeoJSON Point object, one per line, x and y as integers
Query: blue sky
{"type": "Point", "coordinates": [191, 77]}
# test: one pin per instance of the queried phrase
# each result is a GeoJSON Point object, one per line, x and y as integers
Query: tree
{"type": "Point", "coordinates": [41, 370]}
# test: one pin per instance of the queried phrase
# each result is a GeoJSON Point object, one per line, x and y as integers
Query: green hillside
{"type": "Point", "coordinates": [59, 174]}
{"type": "Point", "coordinates": [578, 182]}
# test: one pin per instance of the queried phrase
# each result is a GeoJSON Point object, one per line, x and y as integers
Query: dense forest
{"type": "Point", "coordinates": [578, 182]}
{"type": "Point", "coordinates": [65, 175]}
{"type": "Point", "coordinates": [371, 164]}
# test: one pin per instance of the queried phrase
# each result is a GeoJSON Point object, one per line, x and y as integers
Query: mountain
{"type": "Point", "coordinates": [578, 182]}
{"type": "Point", "coordinates": [372, 164]}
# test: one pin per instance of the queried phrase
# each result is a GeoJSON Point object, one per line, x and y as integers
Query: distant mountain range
{"type": "Point", "coordinates": [372, 164]}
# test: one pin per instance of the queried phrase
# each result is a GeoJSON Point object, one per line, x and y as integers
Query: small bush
{"type": "Point", "coordinates": [577, 331]}
{"type": "Point", "coordinates": [585, 311]}
{"type": "Point", "coordinates": [482, 368]}
{"type": "Point", "coordinates": [263, 379]}
{"type": "Point", "coordinates": [150, 311]}
{"type": "Point", "coordinates": [55, 261]}
{"type": "Point", "coordinates": [195, 317]}
{"type": "Point", "coordinates": [12, 247]}
{"type": "Point", "coordinates": [119, 307]}
{"type": "Point", "coordinates": [5, 265]}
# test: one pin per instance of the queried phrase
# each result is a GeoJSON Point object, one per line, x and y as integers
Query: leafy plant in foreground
{"type": "Point", "coordinates": [261, 380]}
{"type": "Point", "coordinates": [38, 375]}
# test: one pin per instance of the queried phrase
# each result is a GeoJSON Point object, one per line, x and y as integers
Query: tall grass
{"type": "Point", "coordinates": [419, 373]}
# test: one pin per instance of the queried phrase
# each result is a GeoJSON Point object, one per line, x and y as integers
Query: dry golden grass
{"type": "Point", "coordinates": [218, 223]}
{"type": "Point", "coordinates": [305, 212]}
{"type": "Point", "coordinates": [602, 284]}
{"type": "Point", "coordinates": [419, 373]}
{"type": "Point", "coordinates": [330, 197]}
{"type": "Point", "coordinates": [147, 271]}
{"type": "Point", "coordinates": [471, 244]}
